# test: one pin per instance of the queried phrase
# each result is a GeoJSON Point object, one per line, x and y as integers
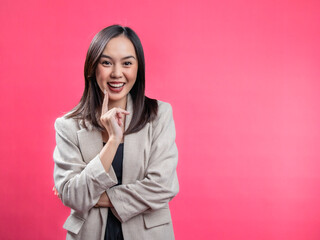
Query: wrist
{"type": "Point", "coordinates": [114, 140]}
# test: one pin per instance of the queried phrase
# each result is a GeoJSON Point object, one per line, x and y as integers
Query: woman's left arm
{"type": "Point", "coordinates": [160, 184]}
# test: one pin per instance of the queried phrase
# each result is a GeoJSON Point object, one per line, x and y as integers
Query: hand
{"type": "Point", "coordinates": [112, 119]}
{"type": "Point", "coordinates": [104, 201]}
{"type": "Point", "coordinates": [55, 192]}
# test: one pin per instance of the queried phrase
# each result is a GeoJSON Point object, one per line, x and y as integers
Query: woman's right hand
{"type": "Point", "coordinates": [113, 119]}
{"type": "Point", "coordinates": [104, 201]}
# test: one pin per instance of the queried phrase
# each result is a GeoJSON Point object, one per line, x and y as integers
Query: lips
{"type": "Point", "coordinates": [116, 86]}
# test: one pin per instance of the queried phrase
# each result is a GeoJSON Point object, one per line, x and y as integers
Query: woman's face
{"type": "Point", "coordinates": [117, 69]}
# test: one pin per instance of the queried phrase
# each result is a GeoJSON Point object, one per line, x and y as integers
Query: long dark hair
{"type": "Point", "coordinates": [89, 108]}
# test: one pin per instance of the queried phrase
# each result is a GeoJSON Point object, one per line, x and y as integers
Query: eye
{"type": "Point", "coordinates": [127, 63]}
{"type": "Point", "coordinates": [106, 63]}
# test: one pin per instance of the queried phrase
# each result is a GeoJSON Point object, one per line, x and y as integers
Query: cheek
{"type": "Point", "coordinates": [100, 74]}
{"type": "Point", "coordinates": [99, 71]}
{"type": "Point", "coordinates": [132, 75]}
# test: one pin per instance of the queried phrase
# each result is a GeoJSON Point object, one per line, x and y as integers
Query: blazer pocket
{"type": "Point", "coordinates": [73, 223]}
{"type": "Point", "coordinates": [157, 217]}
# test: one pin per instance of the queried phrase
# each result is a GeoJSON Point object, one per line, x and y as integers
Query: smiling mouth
{"type": "Point", "coordinates": [116, 85]}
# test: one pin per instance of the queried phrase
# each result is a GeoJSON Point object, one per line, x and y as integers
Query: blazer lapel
{"type": "Point", "coordinates": [133, 145]}
{"type": "Point", "coordinates": [90, 143]}
{"type": "Point", "coordinates": [128, 143]}
{"type": "Point", "coordinates": [129, 108]}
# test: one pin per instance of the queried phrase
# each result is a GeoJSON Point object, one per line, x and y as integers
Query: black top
{"type": "Point", "coordinates": [113, 228]}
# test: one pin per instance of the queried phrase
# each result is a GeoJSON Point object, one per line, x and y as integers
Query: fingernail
{"type": "Point", "coordinates": [105, 91]}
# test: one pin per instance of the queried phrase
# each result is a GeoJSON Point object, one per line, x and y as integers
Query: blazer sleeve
{"type": "Point", "coordinates": [79, 184]}
{"type": "Point", "coordinates": [160, 184]}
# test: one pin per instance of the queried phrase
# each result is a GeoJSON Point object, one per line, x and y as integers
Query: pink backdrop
{"type": "Point", "coordinates": [243, 80]}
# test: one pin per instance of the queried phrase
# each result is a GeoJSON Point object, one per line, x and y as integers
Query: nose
{"type": "Point", "coordinates": [116, 72]}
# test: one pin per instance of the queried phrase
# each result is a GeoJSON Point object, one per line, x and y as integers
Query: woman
{"type": "Point", "coordinates": [116, 157]}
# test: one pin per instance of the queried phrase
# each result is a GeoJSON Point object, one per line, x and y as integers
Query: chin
{"type": "Point", "coordinates": [114, 98]}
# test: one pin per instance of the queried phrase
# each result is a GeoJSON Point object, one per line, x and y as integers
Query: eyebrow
{"type": "Point", "coordinates": [106, 56]}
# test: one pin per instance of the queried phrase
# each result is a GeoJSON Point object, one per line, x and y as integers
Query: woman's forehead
{"type": "Point", "coordinates": [119, 47]}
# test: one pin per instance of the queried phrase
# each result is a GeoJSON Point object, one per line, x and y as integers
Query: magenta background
{"type": "Point", "coordinates": [243, 80]}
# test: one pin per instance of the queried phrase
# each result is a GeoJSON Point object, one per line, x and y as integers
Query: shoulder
{"type": "Point", "coordinates": [163, 125]}
{"type": "Point", "coordinates": [67, 126]}
{"type": "Point", "coordinates": [164, 115]}
{"type": "Point", "coordinates": [164, 108]}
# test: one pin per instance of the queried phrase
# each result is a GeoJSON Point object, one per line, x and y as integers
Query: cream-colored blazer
{"type": "Point", "coordinates": [149, 178]}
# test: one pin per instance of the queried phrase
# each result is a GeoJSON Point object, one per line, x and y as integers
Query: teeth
{"type": "Point", "coordinates": [116, 85]}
